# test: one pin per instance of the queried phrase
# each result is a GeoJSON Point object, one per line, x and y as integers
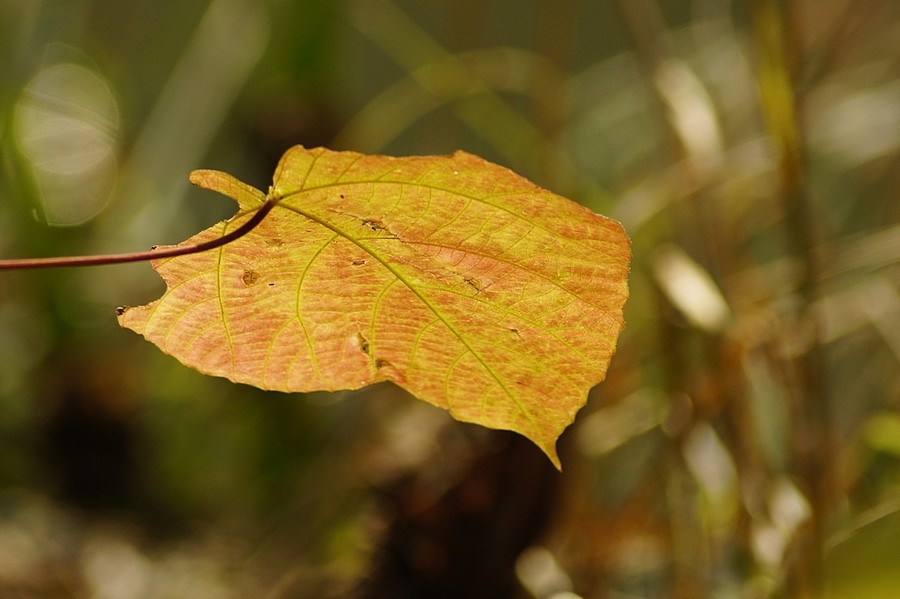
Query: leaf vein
{"type": "Point", "coordinates": [428, 304]}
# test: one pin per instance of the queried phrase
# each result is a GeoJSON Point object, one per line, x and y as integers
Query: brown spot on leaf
{"type": "Point", "coordinates": [359, 262]}
{"type": "Point", "coordinates": [375, 225]}
{"type": "Point", "coordinates": [473, 283]}
{"type": "Point", "coordinates": [379, 363]}
{"type": "Point", "coordinates": [250, 277]}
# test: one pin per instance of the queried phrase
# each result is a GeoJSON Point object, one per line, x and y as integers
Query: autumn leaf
{"type": "Point", "coordinates": [458, 280]}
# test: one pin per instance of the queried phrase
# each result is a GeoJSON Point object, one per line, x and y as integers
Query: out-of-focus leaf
{"type": "Point", "coordinates": [457, 279]}
{"type": "Point", "coordinates": [864, 562]}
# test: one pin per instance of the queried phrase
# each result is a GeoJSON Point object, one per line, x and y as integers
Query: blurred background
{"type": "Point", "coordinates": [746, 442]}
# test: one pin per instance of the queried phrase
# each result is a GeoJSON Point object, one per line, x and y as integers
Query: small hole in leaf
{"type": "Point", "coordinates": [120, 311]}
{"type": "Point", "coordinates": [363, 343]}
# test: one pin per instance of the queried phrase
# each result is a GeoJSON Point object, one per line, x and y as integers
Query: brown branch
{"type": "Point", "coordinates": [103, 259]}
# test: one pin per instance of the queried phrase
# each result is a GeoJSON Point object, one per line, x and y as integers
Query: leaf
{"type": "Point", "coordinates": [455, 278]}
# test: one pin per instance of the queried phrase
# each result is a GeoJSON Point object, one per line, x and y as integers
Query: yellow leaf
{"type": "Point", "coordinates": [458, 280]}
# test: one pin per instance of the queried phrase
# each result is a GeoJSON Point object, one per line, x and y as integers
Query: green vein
{"type": "Point", "coordinates": [375, 307]}
{"type": "Point", "coordinates": [298, 301]}
{"type": "Point", "coordinates": [220, 293]}
{"type": "Point", "coordinates": [515, 264]}
{"type": "Point", "coordinates": [509, 313]}
{"type": "Point", "coordinates": [418, 341]}
{"type": "Point", "coordinates": [394, 271]}
{"type": "Point", "coordinates": [483, 200]}
{"type": "Point", "coordinates": [450, 368]}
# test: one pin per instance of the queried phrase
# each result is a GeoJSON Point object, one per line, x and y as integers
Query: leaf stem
{"type": "Point", "coordinates": [103, 259]}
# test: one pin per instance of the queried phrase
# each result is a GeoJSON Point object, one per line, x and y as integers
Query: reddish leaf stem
{"type": "Point", "coordinates": [99, 260]}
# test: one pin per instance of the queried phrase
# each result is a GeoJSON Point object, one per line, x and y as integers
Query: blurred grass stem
{"type": "Point", "coordinates": [812, 439]}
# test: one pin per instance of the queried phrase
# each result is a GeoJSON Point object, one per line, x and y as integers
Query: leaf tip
{"type": "Point", "coordinates": [227, 185]}
{"type": "Point", "coordinates": [123, 317]}
{"type": "Point", "coordinates": [554, 458]}
{"type": "Point", "coordinates": [548, 447]}
{"type": "Point", "coordinates": [205, 178]}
